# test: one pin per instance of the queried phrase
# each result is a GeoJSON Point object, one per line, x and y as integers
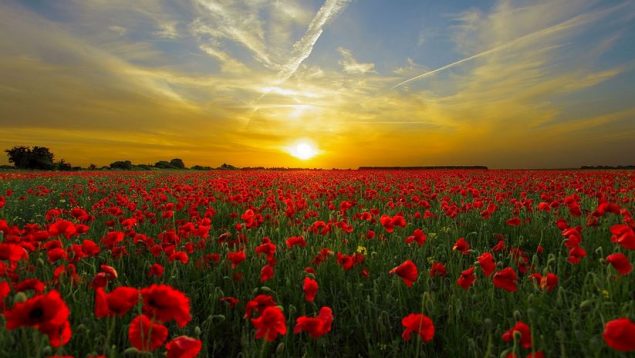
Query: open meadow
{"type": "Point", "coordinates": [317, 263]}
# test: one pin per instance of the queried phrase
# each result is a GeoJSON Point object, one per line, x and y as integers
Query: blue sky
{"type": "Point", "coordinates": [500, 83]}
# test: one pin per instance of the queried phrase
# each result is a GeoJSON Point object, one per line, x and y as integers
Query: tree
{"type": "Point", "coordinates": [26, 158]}
{"type": "Point", "coordinates": [163, 164]}
{"type": "Point", "coordinates": [121, 164]}
{"type": "Point", "coordinates": [41, 158]}
{"type": "Point", "coordinates": [226, 166]}
{"type": "Point", "coordinates": [63, 165]}
{"type": "Point", "coordinates": [200, 167]}
{"type": "Point", "coordinates": [177, 163]}
{"type": "Point", "coordinates": [19, 156]}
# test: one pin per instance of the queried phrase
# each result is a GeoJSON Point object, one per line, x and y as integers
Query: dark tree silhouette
{"type": "Point", "coordinates": [163, 164]}
{"type": "Point", "coordinates": [63, 165]}
{"type": "Point", "coordinates": [26, 158]}
{"type": "Point", "coordinates": [177, 163]}
{"type": "Point", "coordinates": [121, 164]}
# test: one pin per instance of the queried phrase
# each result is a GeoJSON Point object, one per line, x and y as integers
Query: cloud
{"type": "Point", "coordinates": [542, 90]}
{"type": "Point", "coordinates": [410, 68]}
{"type": "Point", "coordinates": [119, 30]}
{"type": "Point", "coordinates": [167, 30]}
{"type": "Point", "coordinates": [569, 24]}
{"type": "Point", "coordinates": [235, 24]}
{"type": "Point", "coordinates": [228, 63]}
{"type": "Point", "coordinates": [350, 65]}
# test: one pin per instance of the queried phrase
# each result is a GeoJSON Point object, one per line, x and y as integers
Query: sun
{"type": "Point", "coordinates": [303, 149]}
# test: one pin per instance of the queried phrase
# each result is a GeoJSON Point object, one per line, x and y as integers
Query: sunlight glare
{"type": "Point", "coordinates": [303, 149]}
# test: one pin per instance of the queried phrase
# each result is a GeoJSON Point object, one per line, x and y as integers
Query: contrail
{"type": "Point", "coordinates": [303, 48]}
{"type": "Point", "coordinates": [575, 21]}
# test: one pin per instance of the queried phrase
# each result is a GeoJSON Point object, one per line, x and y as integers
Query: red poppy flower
{"type": "Point", "coordinates": [146, 335]}
{"type": "Point", "coordinates": [515, 221]}
{"type": "Point", "coordinates": [39, 310]}
{"type": "Point", "coordinates": [4, 292]}
{"type": "Point", "coordinates": [267, 248]}
{"type": "Point", "coordinates": [500, 246]}
{"type": "Point", "coordinates": [56, 254]}
{"type": "Point", "coordinates": [315, 326]}
{"type": "Point", "coordinates": [110, 271]}
{"type": "Point", "coordinates": [619, 334]}
{"type": "Point", "coordinates": [547, 282]}
{"type": "Point", "coordinates": [12, 252]}
{"type": "Point", "coordinates": [236, 258]}
{"type": "Point", "coordinates": [420, 324]}
{"type": "Point", "coordinates": [48, 313]}
{"type": "Point", "coordinates": [573, 237]}
{"type": "Point", "coordinates": [462, 246]}
{"type": "Point", "coordinates": [58, 335]}
{"type": "Point", "coordinates": [487, 264]}
{"type": "Point", "coordinates": [346, 261]}
{"type": "Point", "coordinates": [417, 236]}
{"type": "Point", "coordinates": [506, 279]}
{"type": "Point", "coordinates": [407, 271]}
{"type": "Point", "coordinates": [266, 273]}
{"type": "Point", "coordinates": [576, 254]}
{"type": "Point", "coordinates": [270, 324]}
{"type": "Point", "coordinates": [156, 270]}
{"type": "Point", "coordinates": [467, 278]}
{"type": "Point", "coordinates": [230, 300]}
{"type": "Point", "coordinates": [112, 238]}
{"type": "Point", "coordinates": [389, 222]}
{"type": "Point", "coordinates": [258, 304]}
{"type": "Point", "coordinates": [90, 248]}
{"type": "Point", "coordinates": [310, 288]}
{"type": "Point", "coordinates": [183, 347]}
{"type": "Point", "coordinates": [180, 256]}
{"type": "Point", "coordinates": [370, 234]}
{"type": "Point", "coordinates": [62, 227]}
{"type": "Point", "coordinates": [295, 241]}
{"type": "Point", "coordinates": [524, 331]}
{"type": "Point", "coordinates": [620, 262]}
{"type": "Point", "coordinates": [165, 304]}
{"type": "Point", "coordinates": [30, 284]}
{"type": "Point", "coordinates": [118, 302]}
{"type": "Point", "coordinates": [623, 235]}
{"type": "Point", "coordinates": [100, 280]}
{"type": "Point", "coordinates": [438, 269]}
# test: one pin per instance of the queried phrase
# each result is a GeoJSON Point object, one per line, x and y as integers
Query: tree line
{"type": "Point", "coordinates": [41, 158]}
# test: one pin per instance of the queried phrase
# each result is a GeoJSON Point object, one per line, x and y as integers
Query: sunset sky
{"type": "Point", "coordinates": [507, 84]}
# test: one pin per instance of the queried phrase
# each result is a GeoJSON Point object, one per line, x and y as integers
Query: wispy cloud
{"type": "Point", "coordinates": [220, 22]}
{"type": "Point", "coordinates": [350, 64]}
{"type": "Point", "coordinates": [576, 21]}
{"type": "Point", "coordinates": [167, 30]}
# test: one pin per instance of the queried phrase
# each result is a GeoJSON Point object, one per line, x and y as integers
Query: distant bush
{"type": "Point", "coordinates": [63, 165]}
{"type": "Point", "coordinates": [172, 164]}
{"type": "Point", "coordinates": [199, 167]}
{"type": "Point", "coordinates": [226, 166]}
{"type": "Point", "coordinates": [121, 164]}
{"type": "Point", "coordinates": [144, 167]}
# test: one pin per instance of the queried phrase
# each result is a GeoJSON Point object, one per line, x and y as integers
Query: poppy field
{"type": "Point", "coordinates": [456, 263]}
